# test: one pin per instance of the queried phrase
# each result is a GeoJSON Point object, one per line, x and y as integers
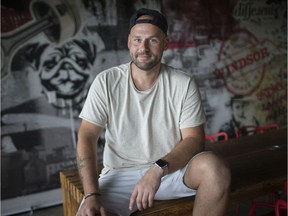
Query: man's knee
{"type": "Point", "coordinates": [209, 168]}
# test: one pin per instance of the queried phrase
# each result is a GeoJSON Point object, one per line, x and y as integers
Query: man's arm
{"type": "Point", "coordinates": [193, 142]}
{"type": "Point", "coordinates": [88, 136]}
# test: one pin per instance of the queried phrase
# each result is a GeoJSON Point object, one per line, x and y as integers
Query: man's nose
{"type": "Point", "coordinates": [144, 45]}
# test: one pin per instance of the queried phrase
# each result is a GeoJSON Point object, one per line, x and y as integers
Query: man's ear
{"type": "Point", "coordinates": [166, 43]}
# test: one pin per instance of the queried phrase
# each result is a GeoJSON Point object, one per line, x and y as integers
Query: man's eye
{"type": "Point", "coordinates": [137, 40]}
{"type": "Point", "coordinates": [153, 40]}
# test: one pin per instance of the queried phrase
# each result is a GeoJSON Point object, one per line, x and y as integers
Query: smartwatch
{"type": "Point", "coordinates": [161, 164]}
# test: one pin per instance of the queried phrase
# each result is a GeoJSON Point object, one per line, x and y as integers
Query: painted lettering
{"type": "Point", "coordinates": [274, 102]}
{"type": "Point", "coordinates": [280, 113]}
{"type": "Point", "coordinates": [241, 63]}
{"type": "Point", "coordinates": [271, 90]}
{"type": "Point", "coordinates": [247, 10]}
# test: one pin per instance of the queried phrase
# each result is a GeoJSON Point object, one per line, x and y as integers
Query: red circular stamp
{"type": "Point", "coordinates": [241, 62]}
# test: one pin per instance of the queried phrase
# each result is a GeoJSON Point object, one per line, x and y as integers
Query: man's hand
{"type": "Point", "coordinates": [145, 190]}
{"type": "Point", "coordinates": [91, 207]}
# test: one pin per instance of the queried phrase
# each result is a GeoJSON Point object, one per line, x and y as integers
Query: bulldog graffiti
{"type": "Point", "coordinates": [64, 70]}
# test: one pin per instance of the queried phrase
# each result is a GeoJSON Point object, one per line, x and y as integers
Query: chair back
{"type": "Point", "coordinates": [248, 130]}
{"type": "Point", "coordinates": [262, 129]}
{"type": "Point", "coordinates": [281, 204]}
{"type": "Point", "coordinates": [216, 136]}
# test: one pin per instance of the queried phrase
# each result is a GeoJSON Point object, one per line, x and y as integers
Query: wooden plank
{"type": "Point", "coordinates": [72, 191]}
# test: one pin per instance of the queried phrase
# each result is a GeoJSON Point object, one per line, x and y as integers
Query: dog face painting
{"type": "Point", "coordinates": [65, 70]}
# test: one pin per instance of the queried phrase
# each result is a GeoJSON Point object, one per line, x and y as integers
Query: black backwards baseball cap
{"type": "Point", "coordinates": [158, 19]}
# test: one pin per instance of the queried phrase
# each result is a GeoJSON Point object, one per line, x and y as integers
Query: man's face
{"type": "Point", "coordinates": [238, 109]}
{"type": "Point", "coordinates": [146, 43]}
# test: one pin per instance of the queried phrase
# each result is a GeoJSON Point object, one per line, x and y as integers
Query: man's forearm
{"type": "Point", "coordinates": [182, 153]}
{"type": "Point", "coordinates": [88, 136]}
{"type": "Point", "coordinates": [87, 168]}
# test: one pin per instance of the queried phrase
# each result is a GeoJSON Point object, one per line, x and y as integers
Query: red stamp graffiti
{"type": "Point", "coordinates": [241, 62]}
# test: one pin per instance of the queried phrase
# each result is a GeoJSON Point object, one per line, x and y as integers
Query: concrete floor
{"type": "Point", "coordinates": [51, 211]}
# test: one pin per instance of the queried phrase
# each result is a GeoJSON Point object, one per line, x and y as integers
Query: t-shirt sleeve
{"type": "Point", "coordinates": [95, 106]}
{"type": "Point", "coordinates": [192, 114]}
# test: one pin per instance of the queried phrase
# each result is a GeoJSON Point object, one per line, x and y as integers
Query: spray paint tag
{"type": "Point", "coordinates": [51, 97]}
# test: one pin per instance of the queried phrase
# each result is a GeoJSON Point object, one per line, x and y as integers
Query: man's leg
{"type": "Point", "coordinates": [209, 175]}
{"type": "Point", "coordinates": [116, 188]}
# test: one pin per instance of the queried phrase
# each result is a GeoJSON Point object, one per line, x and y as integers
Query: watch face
{"type": "Point", "coordinates": [161, 163]}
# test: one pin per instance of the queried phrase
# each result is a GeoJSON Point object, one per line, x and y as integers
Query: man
{"type": "Point", "coordinates": [154, 133]}
{"type": "Point", "coordinates": [240, 116]}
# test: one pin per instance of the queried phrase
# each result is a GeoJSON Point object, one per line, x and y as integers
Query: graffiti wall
{"type": "Point", "coordinates": [52, 50]}
{"type": "Point", "coordinates": [238, 54]}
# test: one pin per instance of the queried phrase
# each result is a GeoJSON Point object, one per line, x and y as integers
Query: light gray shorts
{"type": "Point", "coordinates": [116, 188]}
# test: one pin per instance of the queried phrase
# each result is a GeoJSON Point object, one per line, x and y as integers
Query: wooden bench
{"type": "Point", "coordinates": [257, 167]}
{"type": "Point", "coordinates": [72, 194]}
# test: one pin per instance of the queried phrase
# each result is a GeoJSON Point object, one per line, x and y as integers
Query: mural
{"type": "Point", "coordinates": [42, 94]}
{"type": "Point", "coordinates": [237, 52]}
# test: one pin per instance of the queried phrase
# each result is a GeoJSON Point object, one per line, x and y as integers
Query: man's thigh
{"type": "Point", "coordinates": [173, 187]}
{"type": "Point", "coordinates": [116, 188]}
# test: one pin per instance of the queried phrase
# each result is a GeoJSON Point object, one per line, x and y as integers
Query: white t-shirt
{"type": "Point", "coordinates": [141, 126]}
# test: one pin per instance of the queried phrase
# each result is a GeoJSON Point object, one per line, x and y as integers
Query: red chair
{"type": "Point", "coordinates": [262, 129]}
{"type": "Point", "coordinates": [246, 130]}
{"type": "Point", "coordinates": [280, 205]}
{"type": "Point", "coordinates": [254, 129]}
{"type": "Point", "coordinates": [214, 137]}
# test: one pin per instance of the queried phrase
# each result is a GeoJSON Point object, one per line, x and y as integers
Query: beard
{"type": "Point", "coordinates": [145, 65]}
